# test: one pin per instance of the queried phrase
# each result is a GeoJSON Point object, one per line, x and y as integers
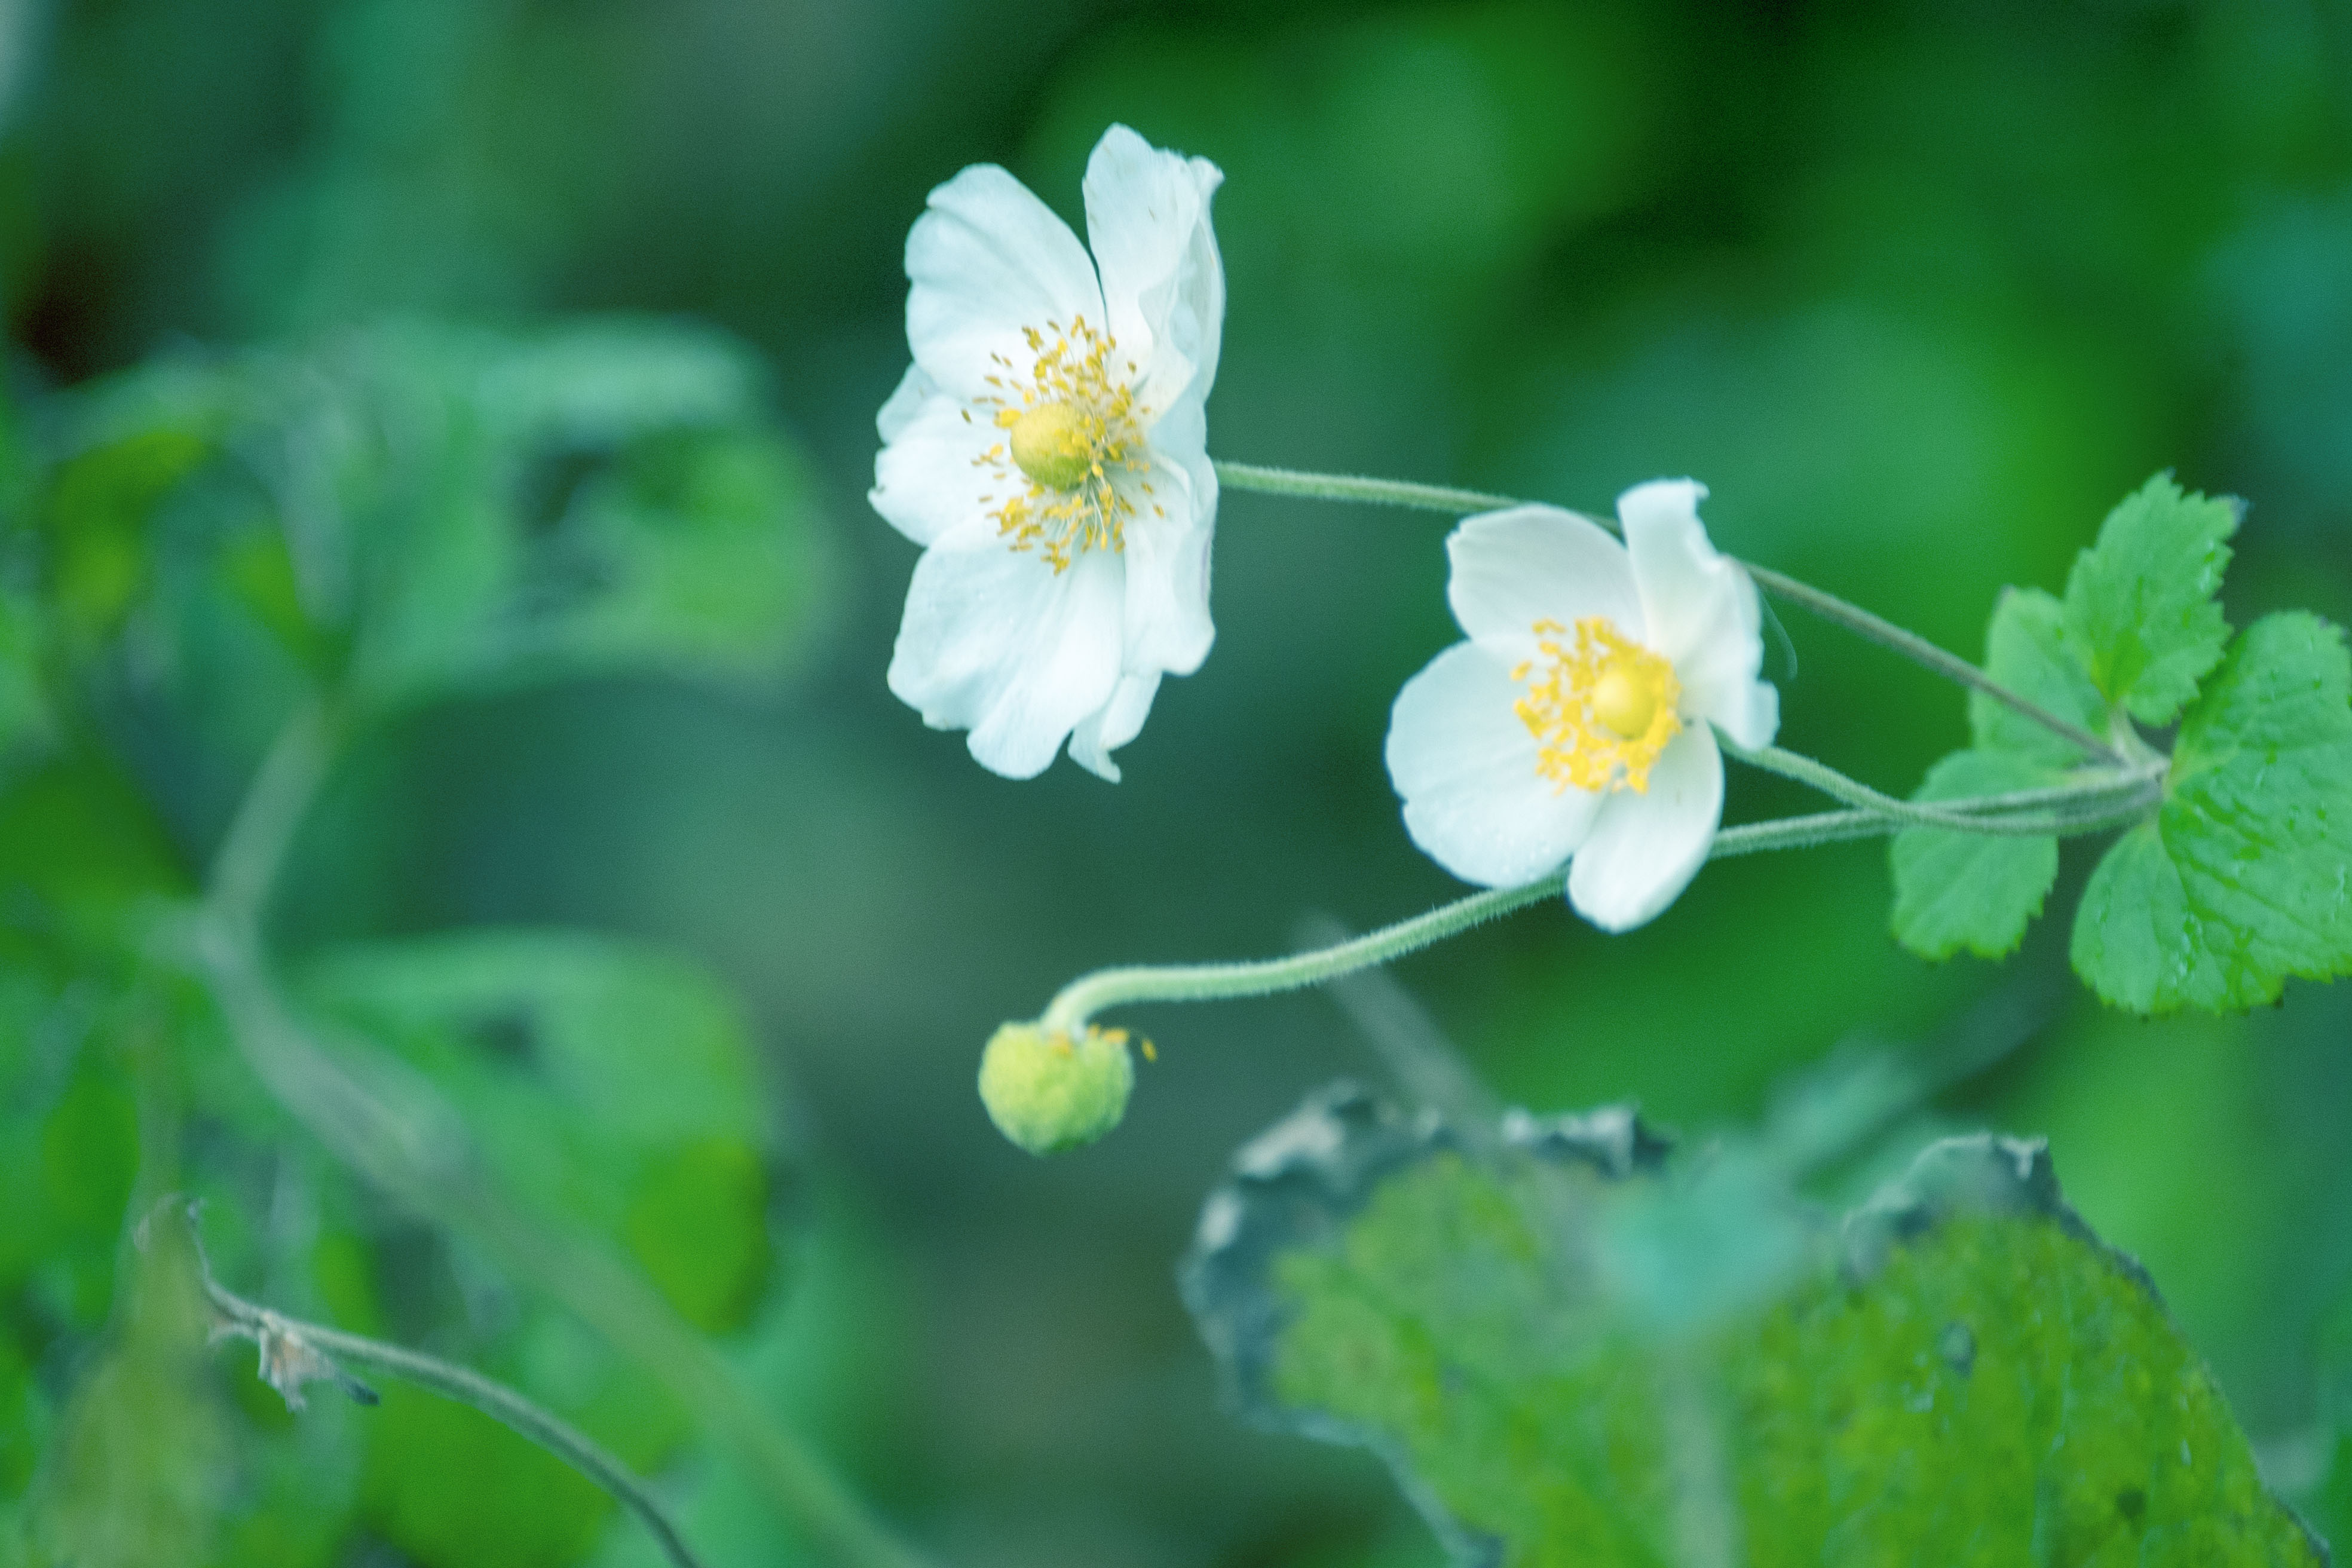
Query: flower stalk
{"type": "Point", "coordinates": [294, 1352]}
{"type": "Point", "coordinates": [2060, 811]}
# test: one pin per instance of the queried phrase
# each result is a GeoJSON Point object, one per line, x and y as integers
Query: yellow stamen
{"type": "Point", "coordinates": [1073, 436]}
{"type": "Point", "coordinates": [1601, 708]}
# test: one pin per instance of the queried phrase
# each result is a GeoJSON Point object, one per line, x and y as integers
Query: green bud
{"type": "Point", "coordinates": [1048, 1092]}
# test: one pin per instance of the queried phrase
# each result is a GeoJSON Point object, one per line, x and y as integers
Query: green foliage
{"type": "Point", "coordinates": [2241, 879]}
{"type": "Point", "coordinates": [135, 1472]}
{"type": "Point", "coordinates": [2140, 604]}
{"type": "Point", "coordinates": [1971, 889]}
{"type": "Point", "coordinates": [605, 1084]}
{"type": "Point", "coordinates": [2238, 879]}
{"type": "Point", "coordinates": [2026, 650]}
{"type": "Point", "coordinates": [1960, 1373]}
{"type": "Point", "coordinates": [411, 510]}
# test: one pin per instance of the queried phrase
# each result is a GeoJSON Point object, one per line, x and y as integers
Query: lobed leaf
{"type": "Point", "coordinates": [2026, 649]}
{"type": "Point", "coordinates": [2245, 875]}
{"type": "Point", "coordinates": [1961, 1374]}
{"type": "Point", "coordinates": [2140, 606]}
{"type": "Point", "coordinates": [1972, 891]}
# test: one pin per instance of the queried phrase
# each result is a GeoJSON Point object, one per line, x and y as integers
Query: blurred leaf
{"type": "Point", "coordinates": [1967, 1377]}
{"type": "Point", "coordinates": [452, 1488]}
{"type": "Point", "coordinates": [2141, 605]}
{"type": "Point", "coordinates": [1971, 889]}
{"type": "Point", "coordinates": [602, 1083]}
{"type": "Point", "coordinates": [2242, 879]}
{"type": "Point", "coordinates": [430, 508]}
{"type": "Point", "coordinates": [100, 504]}
{"type": "Point", "coordinates": [135, 1477]}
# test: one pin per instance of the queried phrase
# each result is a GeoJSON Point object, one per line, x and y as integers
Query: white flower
{"type": "Point", "coordinates": [1575, 721]}
{"type": "Point", "coordinates": [1048, 449]}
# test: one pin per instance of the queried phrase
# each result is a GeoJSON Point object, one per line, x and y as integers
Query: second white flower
{"type": "Point", "coordinates": [1576, 720]}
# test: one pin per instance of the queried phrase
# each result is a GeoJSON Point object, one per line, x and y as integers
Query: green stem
{"type": "Point", "coordinates": [288, 1346]}
{"type": "Point", "coordinates": [2092, 793]}
{"type": "Point", "coordinates": [1084, 997]}
{"type": "Point", "coordinates": [1355, 488]}
{"type": "Point", "coordinates": [426, 1159]}
{"type": "Point", "coordinates": [1078, 1003]}
{"type": "Point", "coordinates": [1919, 650]}
{"type": "Point", "coordinates": [1829, 606]}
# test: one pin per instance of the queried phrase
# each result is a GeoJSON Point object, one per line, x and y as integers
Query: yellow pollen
{"type": "Point", "coordinates": [1601, 707]}
{"type": "Point", "coordinates": [1073, 436]}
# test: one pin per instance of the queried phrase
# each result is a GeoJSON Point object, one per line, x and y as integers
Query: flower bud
{"type": "Point", "coordinates": [1048, 1092]}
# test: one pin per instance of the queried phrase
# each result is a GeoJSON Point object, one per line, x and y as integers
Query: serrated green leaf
{"type": "Point", "coordinates": [2243, 879]}
{"type": "Point", "coordinates": [2140, 604]}
{"type": "Point", "coordinates": [1971, 889]}
{"type": "Point", "coordinates": [1960, 1375]}
{"type": "Point", "coordinates": [2026, 650]}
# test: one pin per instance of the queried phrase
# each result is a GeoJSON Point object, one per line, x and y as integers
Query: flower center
{"type": "Point", "coordinates": [1050, 445]}
{"type": "Point", "coordinates": [1073, 433]}
{"type": "Point", "coordinates": [1601, 707]}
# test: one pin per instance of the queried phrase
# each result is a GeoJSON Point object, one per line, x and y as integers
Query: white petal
{"type": "Point", "coordinates": [1646, 848]}
{"type": "Point", "coordinates": [985, 260]}
{"type": "Point", "coordinates": [928, 480]}
{"type": "Point", "coordinates": [1703, 610]}
{"type": "Point", "coordinates": [1167, 540]}
{"type": "Point", "coordinates": [1163, 283]}
{"type": "Point", "coordinates": [998, 642]}
{"type": "Point", "coordinates": [1113, 725]}
{"type": "Point", "coordinates": [1466, 765]}
{"type": "Point", "coordinates": [914, 388]}
{"type": "Point", "coordinates": [1530, 563]}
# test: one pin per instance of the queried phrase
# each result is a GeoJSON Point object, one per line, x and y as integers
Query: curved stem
{"type": "Point", "coordinates": [293, 1351]}
{"type": "Point", "coordinates": [1976, 818]}
{"type": "Point", "coordinates": [1084, 997]}
{"type": "Point", "coordinates": [1077, 1004]}
{"type": "Point", "coordinates": [427, 1161]}
{"type": "Point", "coordinates": [1355, 488]}
{"type": "Point", "coordinates": [1919, 650]}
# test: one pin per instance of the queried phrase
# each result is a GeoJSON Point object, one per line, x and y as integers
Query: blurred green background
{"type": "Point", "coordinates": [1918, 291]}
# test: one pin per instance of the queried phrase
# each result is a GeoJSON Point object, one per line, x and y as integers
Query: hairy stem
{"type": "Point", "coordinates": [1355, 488]}
{"type": "Point", "coordinates": [293, 1351]}
{"type": "Point", "coordinates": [1089, 994]}
{"type": "Point", "coordinates": [2094, 796]}
{"type": "Point", "coordinates": [1078, 1003]}
{"type": "Point", "coordinates": [1919, 650]}
{"type": "Point", "coordinates": [421, 1154]}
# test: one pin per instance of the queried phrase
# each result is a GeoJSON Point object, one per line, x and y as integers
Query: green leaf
{"type": "Point", "coordinates": [2245, 876]}
{"type": "Point", "coordinates": [1960, 1374]}
{"type": "Point", "coordinates": [2026, 650]}
{"type": "Point", "coordinates": [428, 510]}
{"type": "Point", "coordinates": [1971, 889]}
{"type": "Point", "coordinates": [2140, 603]}
{"type": "Point", "coordinates": [604, 1083]}
{"type": "Point", "coordinates": [139, 1469]}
